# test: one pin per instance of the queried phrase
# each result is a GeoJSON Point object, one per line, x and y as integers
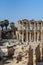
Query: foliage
{"type": "Point", "coordinates": [6, 23]}
{"type": "Point", "coordinates": [12, 25]}
{"type": "Point", "coordinates": [2, 24]}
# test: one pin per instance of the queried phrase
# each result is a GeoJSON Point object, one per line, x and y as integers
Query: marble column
{"type": "Point", "coordinates": [37, 31]}
{"type": "Point", "coordinates": [41, 51]}
{"type": "Point", "coordinates": [22, 32]}
{"type": "Point", "coordinates": [34, 57]}
{"type": "Point", "coordinates": [41, 33]}
{"type": "Point", "coordinates": [34, 36]}
{"type": "Point", "coordinates": [30, 31]}
{"type": "Point", "coordinates": [30, 36]}
{"type": "Point", "coordinates": [37, 36]}
{"type": "Point", "coordinates": [34, 32]}
{"type": "Point", "coordinates": [26, 32]}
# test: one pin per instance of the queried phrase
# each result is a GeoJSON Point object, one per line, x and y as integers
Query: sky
{"type": "Point", "coordinates": [15, 10]}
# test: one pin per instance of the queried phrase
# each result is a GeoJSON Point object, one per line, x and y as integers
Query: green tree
{"type": "Point", "coordinates": [2, 25]}
{"type": "Point", "coordinates": [12, 25]}
{"type": "Point", "coordinates": [6, 23]}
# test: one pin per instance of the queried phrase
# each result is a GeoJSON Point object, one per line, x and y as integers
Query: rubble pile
{"type": "Point", "coordinates": [21, 53]}
{"type": "Point", "coordinates": [28, 54]}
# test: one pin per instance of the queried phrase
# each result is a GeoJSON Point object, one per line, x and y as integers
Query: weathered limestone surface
{"type": "Point", "coordinates": [28, 54]}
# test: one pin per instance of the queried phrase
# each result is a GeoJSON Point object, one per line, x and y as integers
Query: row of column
{"type": "Point", "coordinates": [35, 26]}
{"type": "Point", "coordinates": [29, 35]}
{"type": "Point", "coordinates": [35, 54]}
